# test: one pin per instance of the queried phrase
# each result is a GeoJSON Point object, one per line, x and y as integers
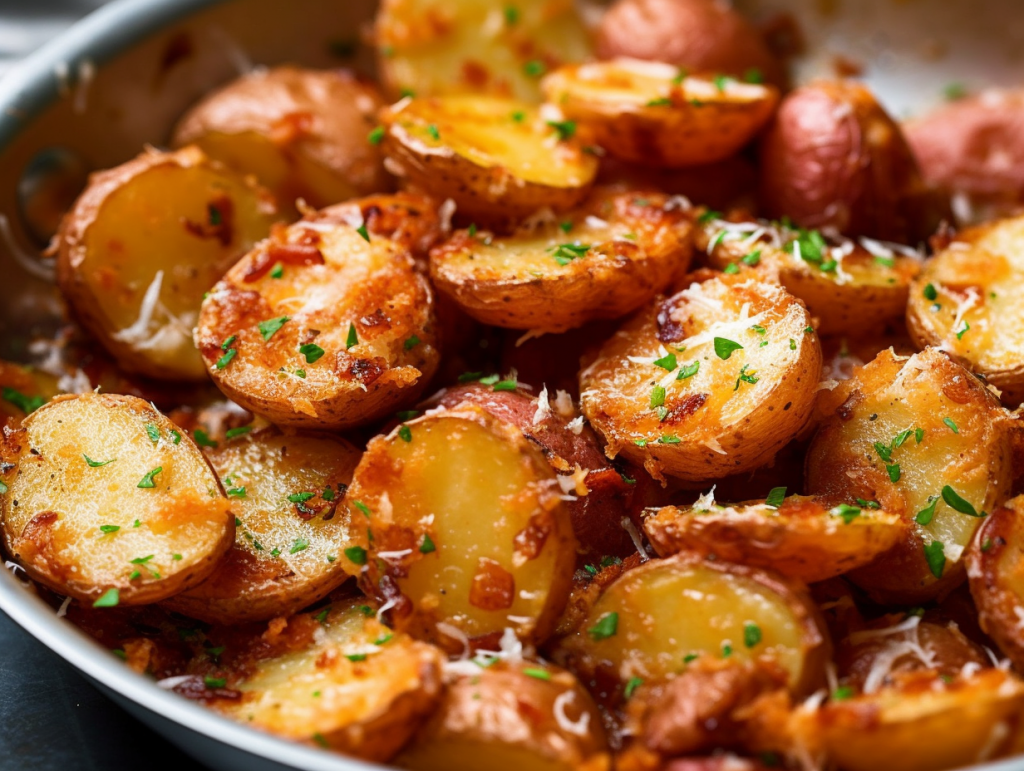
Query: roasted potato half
{"type": "Point", "coordinates": [287, 552]}
{"type": "Point", "coordinates": [23, 390]}
{"type": "Point", "coordinates": [646, 113]}
{"type": "Point", "coordinates": [923, 438]}
{"type": "Point", "coordinates": [800, 537]}
{"type": "Point", "coordinates": [656, 618]}
{"type": "Point", "coordinates": [497, 159]}
{"type": "Point", "coordinates": [302, 132]}
{"type": "Point", "coordinates": [852, 287]}
{"type": "Point", "coordinates": [323, 325]}
{"type": "Point", "coordinates": [516, 714]}
{"type": "Point", "coordinates": [413, 222]}
{"type": "Point", "coordinates": [434, 47]}
{"type": "Point", "coordinates": [602, 261]}
{"type": "Point", "coordinates": [713, 381]}
{"type": "Point", "coordinates": [834, 158]}
{"type": "Point", "coordinates": [355, 686]}
{"type": "Point", "coordinates": [995, 566]}
{"type": "Point", "coordinates": [966, 302]}
{"type": "Point", "coordinates": [106, 501]}
{"type": "Point", "coordinates": [459, 524]}
{"type": "Point", "coordinates": [142, 245]}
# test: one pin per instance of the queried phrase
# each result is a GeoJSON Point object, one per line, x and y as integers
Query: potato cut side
{"type": "Point", "coordinates": [995, 566]}
{"type": "Point", "coordinates": [355, 686]}
{"type": "Point", "coordinates": [142, 245]}
{"type": "Point", "coordinates": [850, 286]}
{"type": "Point", "coordinates": [412, 222]}
{"type": "Point", "coordinates": [925, 728]}
{"type": "Point", "coordinates": [800, 537]}
{"type": "Point", "coordinates": [652, 113]}
{"type": "Point", "coordinates": [105, 500]}
{"type": "Point", "coordinates": [656, 618]}
{"type": "Point", "coordinates": [469, 533]}
{"type": "Point", "coordinates": [517, 714]}
{"type": "Point", "coordinates": [966, 301]}
{"type": "Point", "coordinates": [497, 159]}
{"type": "Point", "coordinates": [713, 381]}
{"type": "Point", "coordinates": [287, 553]}
{"type": "Point", "coordinates": [601, 261]}
{"type": "Point", "coordinates": [908, 433]}
{"type": "Point", "coordinates": [302, 132]}
{"type": "Point", "coordinates": [23, 390]}
{"type": "Point", "coordinates": [324, 325]}
{"type": "Point", "coordinates": [431, 47]}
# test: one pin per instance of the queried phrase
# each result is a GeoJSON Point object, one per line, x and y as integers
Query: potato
{"type": "Point", "coordinates": [142, 245]}
{"type": "Point", "coordinates": [834, 158]}
{"type": "Point", "coordinates": [302, 132]}
{"type": "Point", "coordinates": [434, 47]}
{"type": "Point", "coordinates": [995, 566]}
{"type": "Point", "coordinates": [645, 112]}
{"type": "Point", "coordinates": [965, 301]}
{"type": "Point", "coordinates": [23, 390]}
{"type": "Point", "coordinates": [923, 438]}
{"type": "Point", "coordinates": [851, 287]}
{"type": "Point", "coordinates": [287, 552]}
{"type": "Point", "coordinates": [700, 35]}
{"type": "Point", "coordinates": [355, 687]}
{"type": "Point", "coordinates": [410, 221]}
{"type": "Point", "coordinates": [104, 500]}
{"type": "Point", "coordinates": [497, 159]}
{"type": "Point", "coordinates": [601, 261]}
{"type": "Point", "coordinates": [343, 337]}
{"type": "Point", "coordinates": [725, 185]}
{"type": "Point", "coordinates": [926, 725]}
{"type": "Point", "coordinates": [713, 381]}
{"type": "Point", "coordinates": [601, 493]}
{"type": "Point", "coordinates": [655, 618]}
{"type": "Point", "coordinates": [459, 524]}
{"type": "Point", "coordinates": [973, 146]}
{"type": "Point", "coordinates": [516, 714]}
{"type": "Point", "coordinates": [800, 537]}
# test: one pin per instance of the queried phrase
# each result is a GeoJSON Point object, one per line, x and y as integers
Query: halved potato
{"type": "Point", "coordinates": [302, 132]}
{"type": "Point", "coordinates": [653, 113]}
{"type": "Point", "coordinates": [517, 715]}
{"type": "Point", "coordinates": [995, 567]}
{"type": "Point", "coordinates": [713, 381]}
{"type": "Point", "coordinates": [800, 537]}
{"type": "Point", "coordinates": [354, 686]}
{"type": "Point", "coordinates": [967, 301]}
{"type": "Point", "coordinates": [851, 286]}
{"type": "Point", "coordinates": [142, 245]}
{"type": "Point", "coordinates": [23, 390]}
{"type": "Point", "coordinates": [430, 47]}
{"type": "Point", "coordinates": [287, 552]}
{"type": "Point", "coordinates": [601, 261]}
{"type": "Point", "coordinates": [105, 500]}
{"type": "Point", "coordinates": [657, 617]}
{"type": "Point", "coordinates": [497, 159]}
{"type": "Point", "coordinates": [925, 724]}
{"type": "Point", "coordinates": [323, 325]}
{"type": "Point", "coordinates": [412, 222]}
{"type": "Point", "coordinates": [926, 440]}
{"type": "Point", "coordinates": [460, 524]}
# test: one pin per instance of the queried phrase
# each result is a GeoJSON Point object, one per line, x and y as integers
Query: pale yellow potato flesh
{"type": "Point", "coordinates": [497, 159]}
{"type": "Point", "coordinates": [142, 245]}
{"type": "Point", "coordinates": [344, 336]}
{"type": "Point", "coordinates": [650, 619]}
{"type": "Point", "coordinates": [287, 554]}
{"type": "Point", "coordinates": [469, 533]}
{"type": "Point", "coordinates": [733, 413]}
{"type": "Point", "coordinates": [105, 497]}
{"type": "Point", "coordinates": [652, 113]}
{"type": "Point", "coordinates": [886, 402]}
{"type": "Point", "coordinates": [358, 688]}
{"type": "Point", "coordinates": [967, 301]}
{"type": "Point", "coordinates": [433, 47]}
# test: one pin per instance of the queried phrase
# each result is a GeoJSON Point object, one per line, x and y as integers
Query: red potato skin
{"type": "Point", "coordinates": [597, 516]}
{"type": "Point", "coordinates": [700, 35]}
{"type": "Point", "coordinates": [834, 158]}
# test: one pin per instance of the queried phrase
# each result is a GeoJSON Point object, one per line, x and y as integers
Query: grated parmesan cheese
{"type": "Point", "coordinates": [543, 411]}
{"type": "Point", "coordinates": [578, 726]}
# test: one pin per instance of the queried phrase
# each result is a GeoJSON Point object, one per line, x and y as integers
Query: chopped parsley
{"type": "Point", "coordinates": [270, 327]}
{"type": "Point", "coordinates": [846, 511]}
{"type": "Point", "coordinates": [147, 482]}
{"type": "Point", "coordinates": [745, 377]}
{"type": "Point", "coordinates": [566, 253]}
{"type": "Point", "coordinates": [363, 232]}
{"type": "Point", "coordinates": [751, 634]}
{"type": "Point", "coordinates": [153, 433]}
{"type": "Point", "coordinates": [935, 556]}
{"type": "Point", "coordinates": [688, 371]}
{"type": "Point", "coordinates": [300, 544]}
{"type": "Point", "coordinates": [224, 360]}
{"type": "Point", "coordinates": [539, 674]}
{"type": "Point", "coordinates": [26, 404]}
{"type": "Point", "coordinates": [353, 338]}
{"type": "Point", "coordinates": [231, 433]}
{"type": "Point", "coordinates": [955, 502]}
{"type": "Point", "coordinates": [657, 396]}
{"type": "Point", "coordinates": [605, 627]}
{"type": "Point", "coordinates": [565, 129]}
{"type": "Point", "coordinates": [930, 293]}
{"type": "Point", "coordinates": [311, 351]}
{"type": "Point", "coordinates": [924, 516]}
{"type": "Point", "coordinates": [428, 544]}
{"type": "Point", "coordinates": [376, 136]}
{"type": "Point", "coordinates": [97, 463]}
{"type": "Point", "coordinates": [109, 528]}
{"type": "Point", "coordinates": [203, 439]}
{"type": "Point", "coordinates": [667, 362]}
{"type": "Point", "coordinates": [632, 685]}
{"type": "Point", "coordinates": [109, 599]}
{"type": "Point", "coordinates": [405, 433]}
{"type": "Point", "coordinates": [951, 424]}
{"type": "Point", "coordinates": [535, 68]}
{"type": "Point", "coordinates": [962, 332]}
{"type": "Point", "coordinates": [724, 348]}
{"type": "Point", "coordinates": [434, 133]}
{"type": "Point", "coordinates": [356, 554]}
{"type": "Point", "coordinates": [775, 498]}
{"type": "Point", "coordinates": [411, 343]}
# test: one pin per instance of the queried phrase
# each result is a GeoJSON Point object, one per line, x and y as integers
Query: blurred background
{"type": "Point", "coordinates": [27, 24]}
